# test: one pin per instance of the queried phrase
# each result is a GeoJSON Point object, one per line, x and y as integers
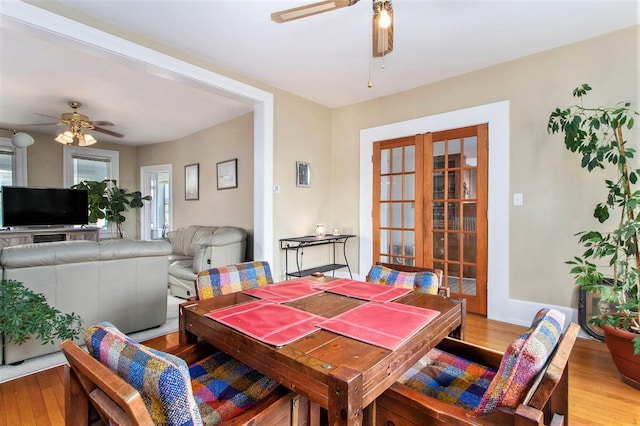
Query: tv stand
{"type": "Point", "coordinates": [19, 236]}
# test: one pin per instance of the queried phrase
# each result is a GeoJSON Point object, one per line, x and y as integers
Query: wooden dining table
{"type": "Point", "coordinates": [342, 374]}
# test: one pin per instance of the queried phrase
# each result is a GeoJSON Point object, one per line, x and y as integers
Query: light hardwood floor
{"type": "Point", "coordinates": [597, 396]}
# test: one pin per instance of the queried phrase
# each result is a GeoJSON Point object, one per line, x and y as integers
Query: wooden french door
{"type": "Point", "coordinates": [430, 207]}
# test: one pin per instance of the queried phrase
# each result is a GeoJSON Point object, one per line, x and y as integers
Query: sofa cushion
{"type": "Point", "coordinates": [224, 387]}
{"type": "Point", "coordinates": [523, 360]}
{"type": "Point", "coordinates": [182, 269]}
{"type": "Point", "coordinates": [422, 282]}
{"type": "Point", "coordinates": [162, 379]}
{"type": "Point", "coordinates": [449, 378]}
{"type": "Point", "coordinates": [232, 278]}
{"type": "Point", "coordinates": [126, 249]}
{"type": "Point", "coordinates": [54, 253]}
{"type": "Point", "coordinates": [183, 240]}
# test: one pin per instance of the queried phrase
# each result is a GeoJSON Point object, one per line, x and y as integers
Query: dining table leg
{"type": "Point", "coordinates": [345, 397]}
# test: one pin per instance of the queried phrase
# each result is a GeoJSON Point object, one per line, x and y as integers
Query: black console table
{"type": "Point", "coordinates": [298, 244]}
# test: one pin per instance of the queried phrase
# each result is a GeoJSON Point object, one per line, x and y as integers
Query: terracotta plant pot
{"type": "Point", "coordinates": [620, 346]}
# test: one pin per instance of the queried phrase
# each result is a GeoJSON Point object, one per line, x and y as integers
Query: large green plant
{"type": "Point", "coordinates": [596, 134]}
{"type": "Point", "coordinates": [107, 201]}
{"type": "Point", "coordinates": [25, 314]}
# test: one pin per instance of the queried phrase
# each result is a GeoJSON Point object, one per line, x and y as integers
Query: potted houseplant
{"type": "Point", "coordinates": [108, 201]}
{"type": "Point", "coordinates": [610, 264]}
{"type": "Point", "coordinates": [25, 314]}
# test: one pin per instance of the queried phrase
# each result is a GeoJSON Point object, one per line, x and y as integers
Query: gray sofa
{"type": "Point", "coordinates": [120, 281]}
{"type": "Point", "coordinates": [197, 248]}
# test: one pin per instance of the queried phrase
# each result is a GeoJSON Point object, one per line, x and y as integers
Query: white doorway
{"type": "Point", "coordinates": [156, 214]}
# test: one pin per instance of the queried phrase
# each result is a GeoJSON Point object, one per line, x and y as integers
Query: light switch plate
{"type": "Point", "coordinates": [517, 199]}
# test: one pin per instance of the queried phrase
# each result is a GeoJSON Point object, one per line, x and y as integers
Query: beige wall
{"type": "Point", "coordinates": [233, 139]}
{"type": "Point", "coordinates": [559, 196]}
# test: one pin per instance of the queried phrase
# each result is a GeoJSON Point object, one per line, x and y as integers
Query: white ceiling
{"type": "Point", "coordinates": [325, 58]}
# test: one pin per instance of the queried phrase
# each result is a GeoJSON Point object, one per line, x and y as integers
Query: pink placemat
{"type": "Point", "coordinates": [362, 290]}
{"type": "Point", "coordinates": [268, 322]}
{"type": "Point", "coordinates": [382, 324]}
{"type": "Point", "coordinates": [285, 292]}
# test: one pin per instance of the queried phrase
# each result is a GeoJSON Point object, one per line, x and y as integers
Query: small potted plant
{"type": "Point", "coordinates": [108, 201]}
{"type": "Point", "coordinates": [25, 314]}
{"type": "Point", "coordinates": [610, 264]}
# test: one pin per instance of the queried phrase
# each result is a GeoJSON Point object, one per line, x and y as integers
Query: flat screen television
{"type": "Point", "coordinates": [24, 206]}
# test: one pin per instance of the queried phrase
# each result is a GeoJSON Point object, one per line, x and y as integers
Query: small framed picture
{"type": "Point", "coordinates": [227, 174]}
{"type": "Point", "coordinates": [191, 181]}
{"type": "Point", "coordinates": [303, 174]}
{"type": "Point", "coordinates": [590, 305]}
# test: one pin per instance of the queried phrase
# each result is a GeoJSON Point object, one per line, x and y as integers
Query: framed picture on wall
{"type": "Point", "coordinates": [227, 174]}
{"type": "Point", "coordinates": [590, 305]}
{"type": "Point", "coordinates": [303, 174]}
{"type": "Point", "coordinates": [191, 181]}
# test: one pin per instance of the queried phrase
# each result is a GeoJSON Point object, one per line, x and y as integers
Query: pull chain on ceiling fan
{"type": "Point", "coordinates": [382, 23]}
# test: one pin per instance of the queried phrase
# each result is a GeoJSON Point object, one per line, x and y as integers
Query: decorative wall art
{"type": "Point", "coordinates": [192, 181]}
{"type": "Point", "coordinates": [303, 174]}
{"type": "Point", "coordinates": [228, 174]}
{"type": "Point", "coordinates": [590, 304]}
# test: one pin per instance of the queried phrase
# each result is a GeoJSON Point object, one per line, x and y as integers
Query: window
{"type": "Point", "coordinates": [13, 165]}
{"type": "Point", "coordinates": [82, 164]}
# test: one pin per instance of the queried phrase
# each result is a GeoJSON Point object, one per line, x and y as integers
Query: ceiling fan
{"type": "Point", "coordinates": [77, 125]}
{"type": "Point", "coordinates": [382, 22]}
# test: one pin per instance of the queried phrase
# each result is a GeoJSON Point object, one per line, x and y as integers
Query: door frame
{"type": "Point", "coordinates": [497, 116]}
{"type": "Point", "coordinates": [145, 214]}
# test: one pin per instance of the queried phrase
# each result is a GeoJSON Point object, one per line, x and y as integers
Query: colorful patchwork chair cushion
{"type": "Point", "coordinates": [449, 378]}
{"type": "Point", "coordinates": [162, 379]}
{"type": "Point", "coordinates": [212, 390]}
{"type": "Point", "coordinates": [223, 387]}
{"type": "Point", "coordinates": [523, 360]}
{"type": "Point", "coordinates": [471, 386]}
{"type": "Point", "coordinates": [232, 278]}
{"type": "Point", "coordinates": [423, 282]}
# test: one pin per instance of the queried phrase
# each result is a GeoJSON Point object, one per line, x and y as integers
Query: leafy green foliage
{"type": "Point", "coordinates": [107, 201]}
{"type": "Point", "coordinates": [25, 314]}
{"type": "Point", "coordinates": [596, 135]}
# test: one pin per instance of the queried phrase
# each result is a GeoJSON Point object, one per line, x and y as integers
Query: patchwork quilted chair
{"type": "Point", "coordinates": [128, 382]}
{"type": "Point", "coordinates": [232, 278]}
{"type": "Point", "coordinates": [423, 280]}
{"type": "Point", "coordinates": [462, 383]}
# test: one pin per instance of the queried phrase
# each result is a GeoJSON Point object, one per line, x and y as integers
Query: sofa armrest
{"type": "Point", "coordinates": [226, 246]}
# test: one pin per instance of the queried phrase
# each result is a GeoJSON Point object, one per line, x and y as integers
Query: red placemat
{"type": "Point", "coordinates": [381, 324]}
{"type": "Point", "coordinates": [285, 292]}
{"type": "Point", "coordinates": [362, 290]}
{"type": "Point", "coordinates": [268, 322]}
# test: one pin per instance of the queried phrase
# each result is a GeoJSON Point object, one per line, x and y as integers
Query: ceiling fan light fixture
{"type": "Point", "coordinates": [382, 30]}
{"type": "Point", "coordinates": [385, 18]}
{"type": "Point", "coordinates": [65, 138]}
{"type": "Point", "coordinates": [85, 139]}
{"type": "Point", "coordinates": [21, 139]}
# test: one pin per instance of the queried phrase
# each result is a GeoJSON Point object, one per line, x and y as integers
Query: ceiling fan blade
{"type": "Point", "coordinates": [310, 9]}
{"type": "Point", "coordinates": [48, 116]}
{"type": "Point", "coordinates": [108, 132]}
{"type": "Point", "coordinates": [101, 123]}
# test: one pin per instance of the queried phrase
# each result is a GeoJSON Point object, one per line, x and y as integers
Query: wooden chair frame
{"type": "Point", "coordinates": [443, 290]}
{"type": "Point", "coordinates": [93, 393]}
{"type": "Point", "coordinates": [546, 403]}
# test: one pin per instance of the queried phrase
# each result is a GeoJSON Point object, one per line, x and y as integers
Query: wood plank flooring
{"type": "Point", "coordinates": [597, 396]}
